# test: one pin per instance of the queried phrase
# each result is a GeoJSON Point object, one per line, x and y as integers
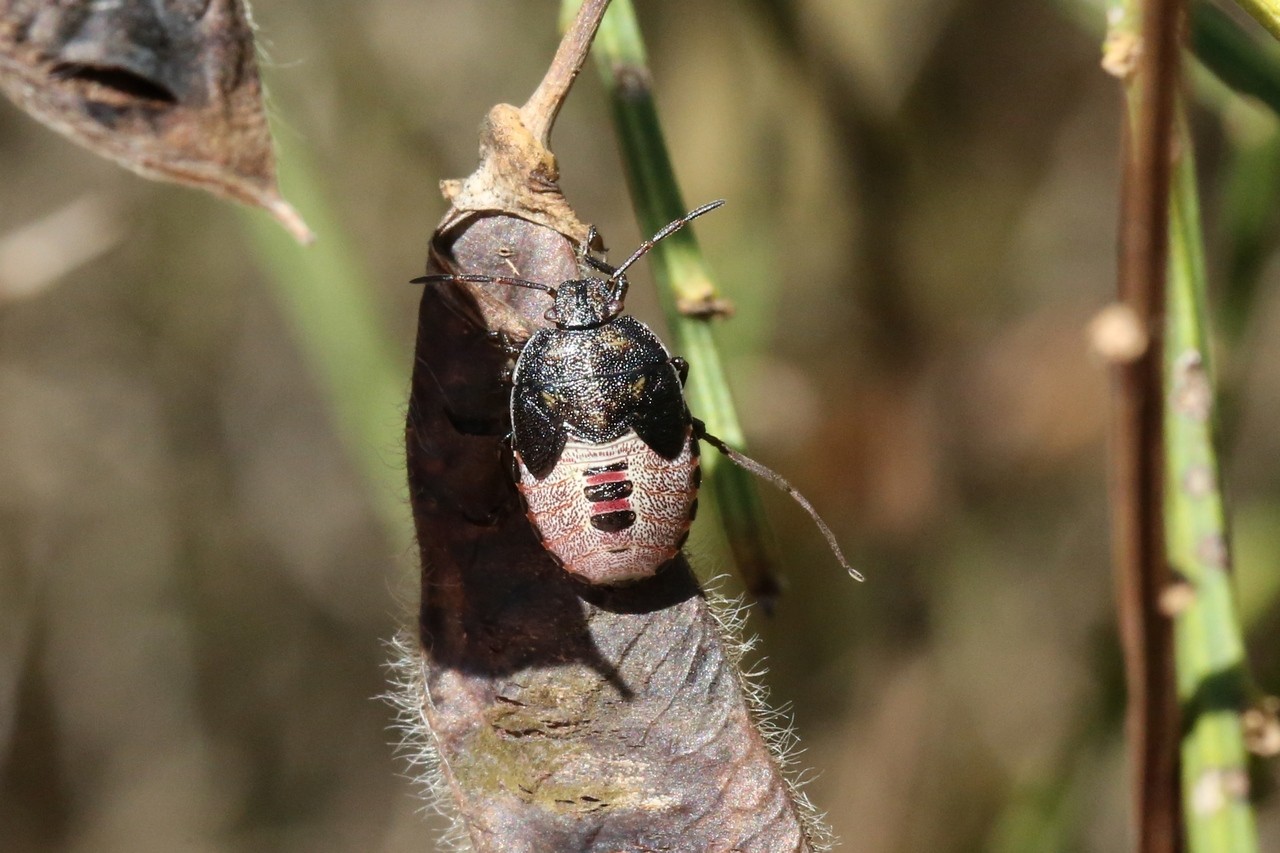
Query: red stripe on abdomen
{"type": "Point", "coordinates": [606, 477]}
{"type": "Point", "coordinates": [610, 506]}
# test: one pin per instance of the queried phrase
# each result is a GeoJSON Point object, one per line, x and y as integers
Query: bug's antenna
{"type": "Point", "coordinates": [484, 279]}
{"type": "Point", "coordinates": [665, 232]}
{"type": "Point", "coordinates": [773, 477]}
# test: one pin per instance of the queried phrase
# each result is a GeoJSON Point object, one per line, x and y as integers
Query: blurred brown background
{"type": "Point", "coordinates": [196, 580]}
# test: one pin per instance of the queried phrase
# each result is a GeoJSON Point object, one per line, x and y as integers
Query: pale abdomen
{"type": "Point", "coordinates": [614, 512]}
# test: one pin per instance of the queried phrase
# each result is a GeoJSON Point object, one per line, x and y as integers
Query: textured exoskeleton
{"type": "Point", "coordinates": [607, 455]}
{"type": "Point", "coordinates": [606, 451]}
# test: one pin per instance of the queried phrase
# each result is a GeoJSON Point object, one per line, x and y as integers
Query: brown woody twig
{"type": "Point", "coordinates": [1137, 477]}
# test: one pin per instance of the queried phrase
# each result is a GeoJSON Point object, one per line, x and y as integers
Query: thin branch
{"type": "Point", "coordinates": [540, 111]}
{"type": "Point", "coordinates": [1137, 477]}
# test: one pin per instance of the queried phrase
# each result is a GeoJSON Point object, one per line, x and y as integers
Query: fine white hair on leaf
{"type": "Point", "coordinates": [415, 744]}
{"type": "Point", "coordinates": [775, 725]}
{"type": "Point", "coordinates": [262, 47]}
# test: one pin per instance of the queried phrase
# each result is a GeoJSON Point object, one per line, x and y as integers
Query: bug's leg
{"type": "Point", "coordinates": [682, 370]}
{"type": "Point", "coordinates": [510, 349]}
{"type": "Point", "coordinates": [595, 242]}
{"type": "Point", "coordinates": [593, 246]}
{"type": "Point", "coordinates": [586, 253]}
{"type": "Point", "coordinates": [508, 344]}
{"type": "Point", "coordinates": [700, 430]}
{"type": "Point", "coordinates": [599, 265]}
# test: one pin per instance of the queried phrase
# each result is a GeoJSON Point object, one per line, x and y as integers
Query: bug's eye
{"type": "Point", "coordinates": [551, 316]}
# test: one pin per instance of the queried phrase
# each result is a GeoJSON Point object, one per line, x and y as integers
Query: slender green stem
{"type": "Point", "coordinates": [325, 296]}
{"type": "Point", "coordinates": [684, 282]}
{"type": "Point", "coordinates": [1210, 660]}
{"type": "Point", "coordinates": [1249, 66]}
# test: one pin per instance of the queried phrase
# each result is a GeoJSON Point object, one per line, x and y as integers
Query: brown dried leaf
{"type": "Point", "coordinates": [567, 717]}
{"type": "Point", "coordinates": [517, 174]}
{"type": "Point", "coordinates": [169, 90]}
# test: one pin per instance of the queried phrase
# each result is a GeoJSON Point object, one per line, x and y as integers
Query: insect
{"type": "Point", "coordinates": [606, 453]}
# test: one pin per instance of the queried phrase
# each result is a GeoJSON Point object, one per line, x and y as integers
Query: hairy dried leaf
{"type": "Point", "coordinates": [568, 717]}
{"type": "Point", "coordinates": [168, 89]}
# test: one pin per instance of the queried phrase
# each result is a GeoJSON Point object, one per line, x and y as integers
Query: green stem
{"type": "Point", "coordinates": [324, 294]}
{"type": "Point", "coordinates": [684, 281]}
{"type": "Point", "coordinates": [1210, 659]}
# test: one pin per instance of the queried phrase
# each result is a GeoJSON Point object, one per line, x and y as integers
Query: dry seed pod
{"type": "Point", "coordinates": [567, 717]}
{"type": "Point", "coordinates": [169, 90]}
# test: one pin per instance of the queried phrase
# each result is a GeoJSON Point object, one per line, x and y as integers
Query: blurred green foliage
{"type": "Point", "coordinates": [195, 568]}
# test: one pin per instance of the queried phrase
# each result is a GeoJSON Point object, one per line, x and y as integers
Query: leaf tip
{"type": "Point", "coordinates": [292, 221]}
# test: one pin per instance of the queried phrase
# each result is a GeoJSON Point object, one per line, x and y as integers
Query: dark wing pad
{"type": "Point", "coordinates": [660, 416]}
{"type": "Point", "coordinates": [538, 437]}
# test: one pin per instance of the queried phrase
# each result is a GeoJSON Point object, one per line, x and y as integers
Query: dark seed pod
{"type": "Point", "coordinates": [569, 716]}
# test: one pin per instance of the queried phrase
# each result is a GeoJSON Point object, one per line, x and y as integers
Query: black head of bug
{"type": "Point", "coordinates": [586, 302]}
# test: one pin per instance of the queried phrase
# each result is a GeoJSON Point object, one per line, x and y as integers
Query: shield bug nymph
{"type": "Point", "coordinates": [605, 449]}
